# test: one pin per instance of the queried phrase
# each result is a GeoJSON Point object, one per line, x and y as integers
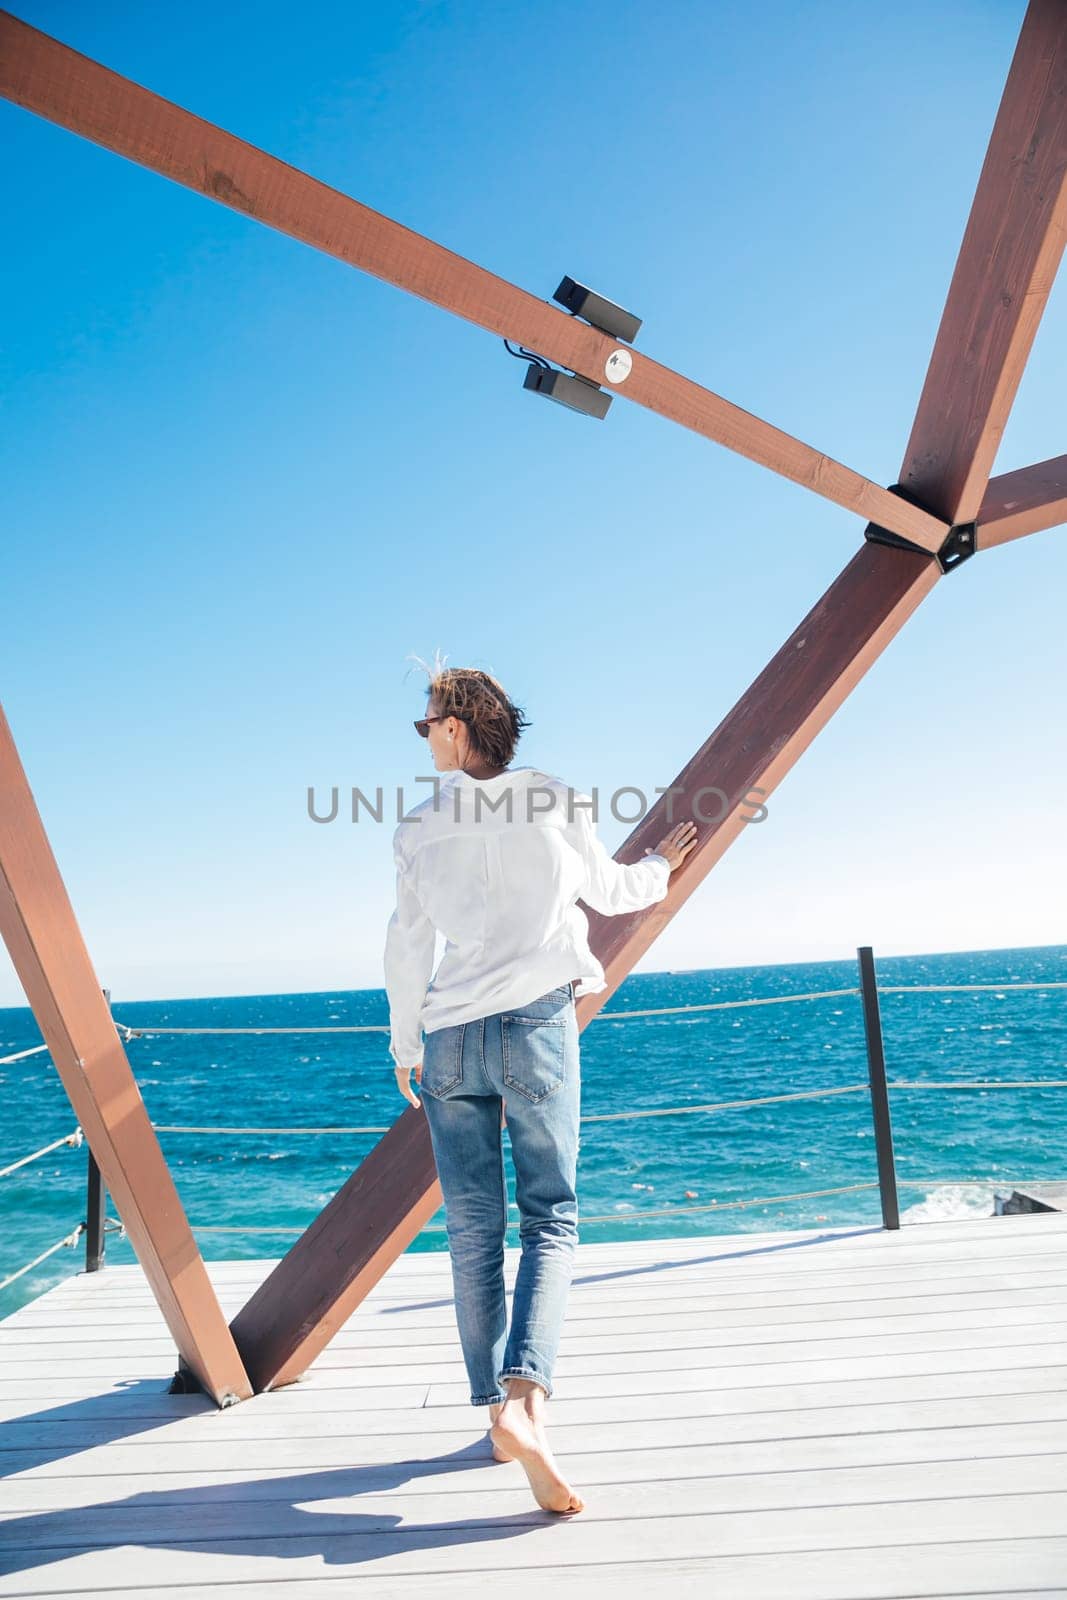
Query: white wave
{"type": "Point", "coordinates": [950, 1202]}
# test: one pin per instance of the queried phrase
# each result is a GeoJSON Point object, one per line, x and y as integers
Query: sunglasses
{"type": "Point", "coordinates": [422, 726]}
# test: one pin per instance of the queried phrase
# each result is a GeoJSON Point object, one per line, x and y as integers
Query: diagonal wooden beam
{"type": "Point", "coordinates": [312, 1291]}
{"type": "Point", "coordinates": [56, 82]}
{"type": "Point", "coordinates": [315, 1288]}
{"type": "Point", "coordinates": [40, 930]}
{"type": "Point", "coordinates": [763, 737]}
{"type": "Point", "coordinates": [1007, 263]}
{"type": "Point", "coordinates": [1024, 501]}
{"type": "Point", "coordinates": [334, 1264]}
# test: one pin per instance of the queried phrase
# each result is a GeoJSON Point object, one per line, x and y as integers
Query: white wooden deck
{"type": "Point", "coordinates": [839, 1414]}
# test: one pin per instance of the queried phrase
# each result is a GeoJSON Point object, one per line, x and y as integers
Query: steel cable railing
{"type": "Point", "coordinates": [95, 1234]}
{"type": "Point", "coordinates": [151, 1030]}
{"type": "Point", "coordinates": [877, 1085]}
{"type": "Point", "coordinates": [658, 1211]}
{"type": "Point", "coordinates": [71, 1239]}
{"type": "Point", "coordinates": [74, 1138]}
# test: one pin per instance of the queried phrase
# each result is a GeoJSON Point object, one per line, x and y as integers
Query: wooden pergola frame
{"type": "Point", "coordinates": [944, 509]}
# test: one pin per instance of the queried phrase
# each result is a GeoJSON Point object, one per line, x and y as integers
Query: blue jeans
{"type": "Point", "coordinates": [528, 1058]}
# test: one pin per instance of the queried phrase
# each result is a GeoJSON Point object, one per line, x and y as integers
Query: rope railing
{"type": "Point", "coordinates": [611, 1216]}
{"type": "Point", "coordinates": [20, 1055]}
{"type": "Point", "coordinates": [984, 1083]}
{"type": "Point", "coordinates": [938, 988]}
{"type": "Point", "coordinates": [70, 1240]}
{"type": "Point", "coordinates": [147, 1030]}
{"type": "Point", "coordinates": [656, 1111]}
{"type": "Point", "coordinates": [877, 1086]}
{"type": "Point", "coordinates": [111, 1225]}
{"type": "Point", "coordinates": [95, 1229]}
{"type": "Point", "coordinates": [655, 1213]}
{"type": "Point", "coordinates": [74, 1139]}
{"type": "Point", "coordinates": [663, 1211]}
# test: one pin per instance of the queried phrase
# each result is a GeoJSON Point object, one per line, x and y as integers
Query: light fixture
{"type": "Point", "coordinates": [571, 389]}
{"type": "Point", "coordinates": [577, 393]}
{"type": "Point", "coordinates": [594, 309]}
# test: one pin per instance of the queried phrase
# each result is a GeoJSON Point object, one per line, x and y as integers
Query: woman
{"type": "Point", "coordinates": [495, 860]}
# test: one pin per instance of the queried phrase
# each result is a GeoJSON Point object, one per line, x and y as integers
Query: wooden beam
{"type": "Point", "coordinates": [763, 737]}
{"type": "Point", "coordinates": [318, 1285]}
{"type": "Point", "coordinates": [1011, 249]}
{"type": "Point", "coordinates": [315, 1288]}
{"type": "Point", "coordinates": [1022, 502]}
{"type": "Point", "coordinates": [56, 82]}
{"type": "Point", "coordinates": [46, 946]}
{"type": "Point", "coordinates": [332, 1267]}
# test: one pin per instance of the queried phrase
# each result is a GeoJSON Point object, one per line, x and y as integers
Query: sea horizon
{"type": "Point", "coordinates": [642, 1174]}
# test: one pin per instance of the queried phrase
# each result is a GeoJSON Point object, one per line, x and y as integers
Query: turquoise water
{"type": "Point", "coordinates": [629, 1170]}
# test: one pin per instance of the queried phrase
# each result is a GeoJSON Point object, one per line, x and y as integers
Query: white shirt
{"type": "Point", "coordinates": [502, 890]}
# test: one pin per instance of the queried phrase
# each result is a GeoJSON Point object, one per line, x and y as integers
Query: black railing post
{"type": "Point", "coordinates": [883, 1128]}
{"type": "Point", "coordinates": [95, 1205]}
{"type": "Point", "coordinates": [95, 1212]}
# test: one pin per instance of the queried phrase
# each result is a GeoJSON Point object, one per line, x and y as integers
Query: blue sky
{"type": "Point", "coordinates": [242, 482]}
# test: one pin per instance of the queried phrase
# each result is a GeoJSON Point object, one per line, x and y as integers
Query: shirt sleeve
{"type": "Point", "coordinates": [409, 952]}
{"type": "Point", "coordinates": [613, 886]}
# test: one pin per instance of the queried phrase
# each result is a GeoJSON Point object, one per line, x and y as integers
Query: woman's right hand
{"type": "Point", "coordinates": [677, 844]}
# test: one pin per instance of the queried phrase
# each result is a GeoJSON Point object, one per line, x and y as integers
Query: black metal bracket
{"type": "Point", "coordinates": [185, 1381]}
{"type": "Point", "coordinates": [959, 543]}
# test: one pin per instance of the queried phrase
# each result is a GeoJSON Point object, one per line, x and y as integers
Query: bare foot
{"type": "Point", "coordinates": [521, 1439]}
{"type": "Point", "coordinates": [494, 1412]}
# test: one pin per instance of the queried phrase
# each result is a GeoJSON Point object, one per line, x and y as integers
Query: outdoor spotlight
{"type": "Point", "coordinates": [577, 393]}
{"type": "Point", "coordinates": [593, 308]}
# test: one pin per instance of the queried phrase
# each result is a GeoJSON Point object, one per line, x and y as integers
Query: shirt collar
{"type": "Point", "coordinates": [510, 774]}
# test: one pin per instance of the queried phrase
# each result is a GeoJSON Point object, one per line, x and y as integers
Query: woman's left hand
{"type": "Point", "coordinates": [403, 1081]}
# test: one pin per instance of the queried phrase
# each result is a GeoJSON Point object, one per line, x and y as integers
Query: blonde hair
{"type": "Point", "coordinates": [494, 723]}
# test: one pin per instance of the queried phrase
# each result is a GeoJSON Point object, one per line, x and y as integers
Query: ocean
{"type": "Point", "coordinates": [639, 1177]}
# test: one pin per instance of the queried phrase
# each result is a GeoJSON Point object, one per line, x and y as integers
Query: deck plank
{"type": "Point", "coordinates": [477, 1497]}
{"type": "Point", "coordinates": [712, 1307]}
{"type": "Point", "coordinates": [338, 1536]}
{"type": "Point", "coordinates": [885, 1412]}
{"type": "Point", "coordinates": [700, 1353]}
{"type": "Point", "coordinates": [1024, 1442]}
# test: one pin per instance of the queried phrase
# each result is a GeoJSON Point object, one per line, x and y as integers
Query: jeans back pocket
{"type": "Point", "coordinates": [442, 1061]}
{"type": "Point", "coordinates": [534, 1051]}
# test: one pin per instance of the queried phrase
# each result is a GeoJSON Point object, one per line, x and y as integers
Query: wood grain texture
{"type": "Point", "coordinates": [53, 965]}
{"type": "Point", "coordinates": [330, 1269]}
{"type": "Point", "coordinates": [761, 739]}
{"type": "Point", "coordinates": [1009, 254]}
{"type": "Point", "coordinates": [48, 78]}
{"type": "Point", "coordinates": [1007, 263]}
{"type": "Point", "coordinates": [918, 1464]}
{"type": "Point", "coordinates": [1025, 501]}
{"type": "Point", "coordinates": [370, 1221]}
